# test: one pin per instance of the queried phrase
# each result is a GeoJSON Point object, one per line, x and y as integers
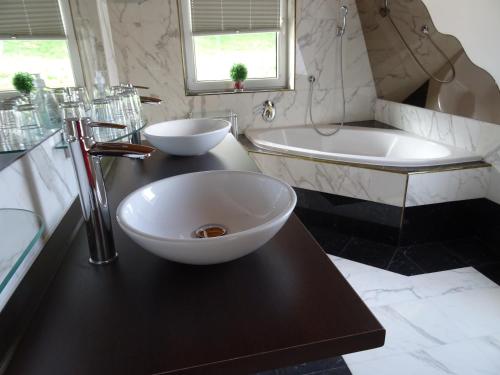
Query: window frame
{"type": "Point", "coordinates": [73, 52]}
{"type": "Point", "coordinates": [284, 55]}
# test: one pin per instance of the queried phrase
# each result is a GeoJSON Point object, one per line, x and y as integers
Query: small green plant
{"type": "Point", "coordinates": [239, 72]}
{"type": "Point", "coordinates": [23, 82]}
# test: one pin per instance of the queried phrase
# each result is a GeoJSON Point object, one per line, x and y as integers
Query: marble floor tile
{"type": "Point", "coordinates": [477, 356]}
{"type": "Point", "coordinates": [437, 323]}
{"type": "Point", "coordinates": [450, 282]}
{"type": "Point", "coordinates": [410, 326]}
{"type": "Point", "coordinates": [416, 363]}
{"type": "Point", "coordinates": [376, 287]}
{"type": "Point", "coordinates": [477, 312]}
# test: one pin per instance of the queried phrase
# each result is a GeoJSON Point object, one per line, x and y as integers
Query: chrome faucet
{"type": "Point", "coordinates": [87, 154]}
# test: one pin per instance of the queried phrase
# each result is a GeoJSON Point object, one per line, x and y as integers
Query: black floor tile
{"type": "Point", "coordinates": [321, 367]}
{"type": "Point", "coordinates": [334, 371]}
{"type": "Point", "coordinates": [331, 241]}
{"type": "Point", "coordinates": [472, 251]}
{"type": "Point", "coordinates": [491, 271]}
{"type": "Point", "coordinates": [434, 238]}
{"type": "Point", "coordinates": [368, 252]}
{"type": "Point", "coordinates": [433, 257]}
{"type": "Point", "coordinates": [403, 265]}
{"type": "Point", "coordinates": [490, 235]}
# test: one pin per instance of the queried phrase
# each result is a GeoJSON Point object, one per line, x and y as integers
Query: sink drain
{"type": "Point", "coordinates": [210, 231]}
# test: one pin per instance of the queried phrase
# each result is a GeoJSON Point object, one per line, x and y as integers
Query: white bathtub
{"type": "Point", "coordinates": [384, 147]}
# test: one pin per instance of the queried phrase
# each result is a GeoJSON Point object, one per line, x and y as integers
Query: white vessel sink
{"type": "Point", "coordinates": [169, 216]}
{"type": "Point", "coordinates": [187, 137]}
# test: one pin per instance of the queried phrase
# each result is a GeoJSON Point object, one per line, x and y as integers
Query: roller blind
{"type": "Point", "coordinates": [30, 19]}
{"type": "Point", "coordinates": [226, 16]}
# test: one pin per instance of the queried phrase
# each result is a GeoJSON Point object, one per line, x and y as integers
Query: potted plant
{"type": "Point", "coordinates": [239, 73]}
{"type": "Point", "coordinates": [23, 82]}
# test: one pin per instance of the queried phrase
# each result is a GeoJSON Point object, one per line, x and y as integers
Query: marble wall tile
{"type": "Point", "coordinates": [479, 137]}
{"type": "Point", "coordinates": [317, 44]}
{"type": "Point", "coordinates": [42, 181]}
{"type": "Point", "coordinates": [447, 186]}
{"type": "Point", "coordinates": [494, 187]}
{"type": "Point", "coordinates": [148, 47]}
{"type": "Point", "coordinates": [367, 184]}
{"type": "Point", "coordinates": [476, 136]}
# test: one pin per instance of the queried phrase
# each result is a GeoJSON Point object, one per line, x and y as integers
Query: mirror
{"type": "Point", "coordinates": [413, 63]}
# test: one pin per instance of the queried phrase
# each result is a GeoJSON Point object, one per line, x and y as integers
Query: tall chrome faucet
{"type": "Point", "coordinates": [87, 154]}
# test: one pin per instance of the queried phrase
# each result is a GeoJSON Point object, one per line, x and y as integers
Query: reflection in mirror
{"type": "Point", "coordinates": [414, 64]}
{"type": "Point", "coordinates": [20, 129]}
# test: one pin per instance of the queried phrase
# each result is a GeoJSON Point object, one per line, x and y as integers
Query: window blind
{"type": "Point", "coordinates": [30, 19]}
{"type": "Point", "coordinates": [228, 16]}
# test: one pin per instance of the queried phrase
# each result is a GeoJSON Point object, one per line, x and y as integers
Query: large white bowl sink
{"type": "Point", "coordinates": [169, 216]}
{"type": "Point", "coordinates": [187, 137]}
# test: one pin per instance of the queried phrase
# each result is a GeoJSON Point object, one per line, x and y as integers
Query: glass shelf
{"type": "Point", "coordinates": [111, 135]}
{"type": "Point", "coordinates": [20, 230]}
{"type": "Point", "coordinates": [16, 140]}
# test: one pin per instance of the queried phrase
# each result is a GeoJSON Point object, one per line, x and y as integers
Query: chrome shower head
{"type": "Point", "coordinates": [343, 14]}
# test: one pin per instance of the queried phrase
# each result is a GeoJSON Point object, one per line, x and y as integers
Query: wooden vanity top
{"type": "Point", "coordinates": [282, 305]}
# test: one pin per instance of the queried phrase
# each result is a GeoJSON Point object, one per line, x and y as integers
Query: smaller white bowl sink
{"type": "Point", "coordinates": [207, 217]}
{"type": "Point", "coordinates": [187, 137]}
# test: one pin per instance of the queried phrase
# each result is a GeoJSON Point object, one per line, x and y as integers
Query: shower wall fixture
{"type": "Point", "coordinates": [413, 63]}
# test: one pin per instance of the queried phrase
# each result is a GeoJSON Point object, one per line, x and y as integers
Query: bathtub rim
{"type": "Point", "coordinates": [403, 169]}
{"type": "Point", "coordinates": [251, 148]}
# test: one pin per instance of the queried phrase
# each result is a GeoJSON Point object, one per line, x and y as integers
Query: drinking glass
{"type": "Point", "coordinates": [116, 90]}
{"type": "Point", "coordinates": [79, 94]}
{"type": "Point", "coordinates": [102, 111]}
{"type": "Point", "coordinates": [117, 110]}
{"type": "Point", "coordinates": [29, 118]}
{"type": "Point", "coordinates": [61, 94]}
{"type": "Point", "coordinates": [131, 108]}
{"type": "Point", "coordinates": [10, 140]}
{"type": "Point", "coordinates": [9, 118]}
{"type": "Point", "coordinates": [71, 110]}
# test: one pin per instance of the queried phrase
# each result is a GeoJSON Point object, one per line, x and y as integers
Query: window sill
{"type": "Point", "coordinates": [226, 92]}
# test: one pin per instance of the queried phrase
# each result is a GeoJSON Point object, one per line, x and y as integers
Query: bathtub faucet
{"type": "Point", "coordinates": [267, 110]}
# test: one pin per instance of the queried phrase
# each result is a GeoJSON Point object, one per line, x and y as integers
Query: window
{"type": "Point", "coordinates": [219, 33]}
{"type": "Point", "coordinates": [33, 39]}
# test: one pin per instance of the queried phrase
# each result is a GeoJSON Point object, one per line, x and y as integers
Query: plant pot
{"type": "Point", "coordinates": [238, 86]}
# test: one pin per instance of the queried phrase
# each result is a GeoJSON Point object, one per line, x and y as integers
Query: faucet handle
{"type": "Point", "coordinates": [82, 127]}
{"type": "Point", "coordinates": [150, 100]}
{"type": "Point", "coordinates": [128, 150]}
{"type": "Point", "coordinates": [100, 124]}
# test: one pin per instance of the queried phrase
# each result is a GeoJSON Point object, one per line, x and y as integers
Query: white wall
{"type": "Point", "coordinates": [476, 24]}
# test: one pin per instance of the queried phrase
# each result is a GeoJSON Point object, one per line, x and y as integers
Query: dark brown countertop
{"type": "Point", "coordinates": [282, 305]}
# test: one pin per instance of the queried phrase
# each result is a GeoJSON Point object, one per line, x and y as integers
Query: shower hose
{"type": "Point", "coordinates": [312, 81]}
